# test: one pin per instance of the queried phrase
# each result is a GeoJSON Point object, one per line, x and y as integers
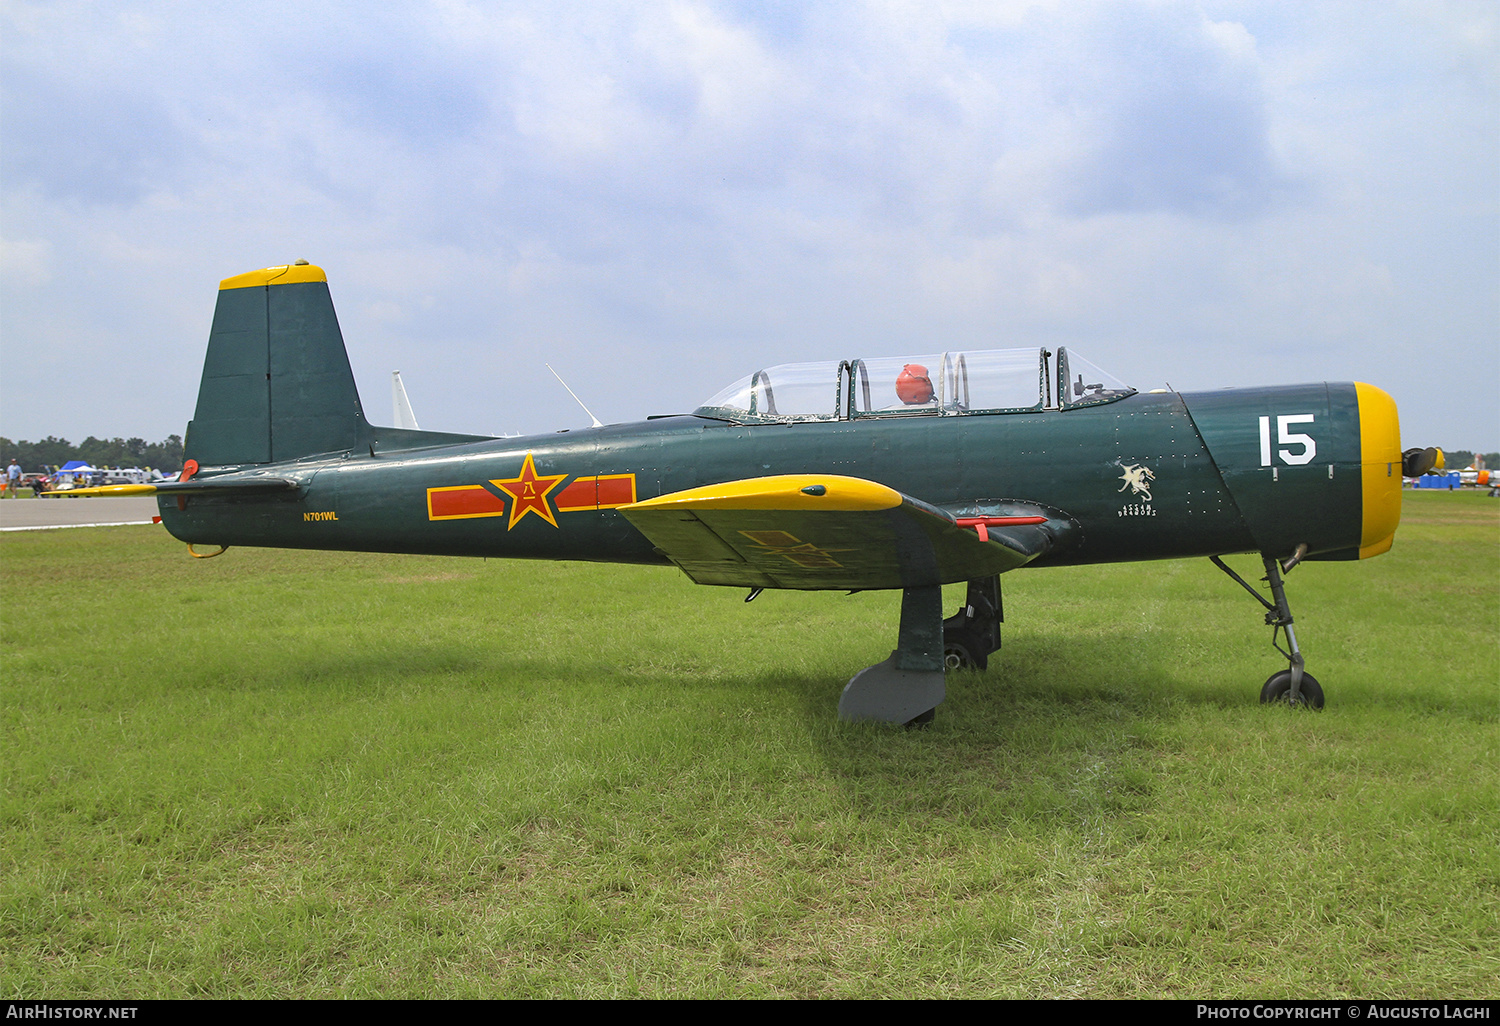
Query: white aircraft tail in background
{"type": "Point", "coordinates": [402, 405]}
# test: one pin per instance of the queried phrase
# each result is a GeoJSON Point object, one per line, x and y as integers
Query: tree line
{"type": "Point", "coordinates": [1458, 459]}
{"type": "Point", "coordinates": [51, 451]}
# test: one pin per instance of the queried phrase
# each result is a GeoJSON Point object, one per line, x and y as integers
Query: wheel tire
{"type": "Point", "coordinates": [956, 657]}
{"type": "Point", "coordinates": [1278, 691]}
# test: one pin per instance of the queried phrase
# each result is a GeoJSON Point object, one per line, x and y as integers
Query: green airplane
{"type": "Point", "coordinates": [906, 473]}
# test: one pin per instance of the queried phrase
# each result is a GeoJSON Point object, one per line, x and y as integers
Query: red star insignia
{"type": "Point", "coordinates": [530, 493]}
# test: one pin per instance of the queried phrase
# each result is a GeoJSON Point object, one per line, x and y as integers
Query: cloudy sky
{"type": "Point", "coordinates": [659, 197]}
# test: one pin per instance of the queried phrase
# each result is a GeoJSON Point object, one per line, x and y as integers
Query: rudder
{"type": "Point", "coordinates": [276, 381]}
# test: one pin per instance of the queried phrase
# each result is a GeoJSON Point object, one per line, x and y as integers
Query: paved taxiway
{"type": "Point", "coordinates": [91, 511]}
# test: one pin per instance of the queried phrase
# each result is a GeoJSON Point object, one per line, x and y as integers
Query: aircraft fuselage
{"type": "Point", "coordinates": [1150, 476]}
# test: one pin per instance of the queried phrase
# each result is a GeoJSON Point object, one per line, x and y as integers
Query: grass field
{"type": "Point", "coordinates": [289, 774]}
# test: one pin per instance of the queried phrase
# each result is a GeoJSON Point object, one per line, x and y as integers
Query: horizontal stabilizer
{"type": "Point", "coordinates": [213, 486]}
{"type": "Point", "coordinates": [826, 532]}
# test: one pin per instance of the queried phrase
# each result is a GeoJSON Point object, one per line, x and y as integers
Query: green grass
{"type": "Point", "coordinates": [289, 774]}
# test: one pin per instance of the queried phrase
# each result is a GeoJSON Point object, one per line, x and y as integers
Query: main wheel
{"type": "Point", "coordinates": [1278, 689]}
{"type": "Point", "coordinates": [956, 657]}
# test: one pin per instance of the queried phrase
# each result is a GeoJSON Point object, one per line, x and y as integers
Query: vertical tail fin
{"type": "Point", "coordinates": [276, 381]}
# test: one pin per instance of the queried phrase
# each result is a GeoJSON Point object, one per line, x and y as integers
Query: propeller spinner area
{"type": "Point", "coordinates": [1416, 462]}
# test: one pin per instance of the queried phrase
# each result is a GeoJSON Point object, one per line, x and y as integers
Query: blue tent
{"type": "Point", "coordinates": [77, 472]}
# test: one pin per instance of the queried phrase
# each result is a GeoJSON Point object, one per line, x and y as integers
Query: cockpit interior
{"type": "Point", "coordinates": [931, 385]}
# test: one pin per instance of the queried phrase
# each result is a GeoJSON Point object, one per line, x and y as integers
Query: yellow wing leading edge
{"type": "Point", "coordinates": [820, 532]}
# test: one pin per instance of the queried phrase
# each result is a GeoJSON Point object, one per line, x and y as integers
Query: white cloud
{"type": "Point", "coordinates": [721, 184]}
{"type": "Point", "coordinates": [27, 262]}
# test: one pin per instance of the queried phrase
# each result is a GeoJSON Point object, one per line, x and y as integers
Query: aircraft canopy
{"type": "Point", "coordinates": [935, 384]}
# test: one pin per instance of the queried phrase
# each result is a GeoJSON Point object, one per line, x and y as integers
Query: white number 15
{"type": "Point", "coordinates": [1285, 437]}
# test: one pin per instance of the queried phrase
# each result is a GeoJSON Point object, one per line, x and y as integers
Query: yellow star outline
{"type": "Point", "coordinates": [530, 493]}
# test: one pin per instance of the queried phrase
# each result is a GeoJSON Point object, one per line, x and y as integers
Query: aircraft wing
{"type": "Point", "coordinates": [827, 532]}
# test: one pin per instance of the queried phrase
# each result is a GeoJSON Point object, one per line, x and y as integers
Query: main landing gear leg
{"type": "Point", "coordinates": [1293, 686]}
{"type": "Point", "coordinates": [908, 686]}
{"type": "Point", "coordinates": [972, 633]}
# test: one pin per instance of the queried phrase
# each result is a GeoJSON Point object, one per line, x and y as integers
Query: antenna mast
{"type": "Point", "coordinates": [574, 394]}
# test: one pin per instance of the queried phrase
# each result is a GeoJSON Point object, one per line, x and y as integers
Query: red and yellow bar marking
{"type": "Point", "coordinates": [463, 502]}
{"type": "Point", "coordinates": [606, 491]}
{"type": "Point", "coordinates": [466, 502]}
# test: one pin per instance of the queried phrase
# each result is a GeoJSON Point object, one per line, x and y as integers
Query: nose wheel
{"type": "Point", "coordinates": [1278, 691]}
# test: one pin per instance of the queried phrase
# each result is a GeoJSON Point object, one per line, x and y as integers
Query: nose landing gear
{"type": "Point", "coordinates": [1293, 686]}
